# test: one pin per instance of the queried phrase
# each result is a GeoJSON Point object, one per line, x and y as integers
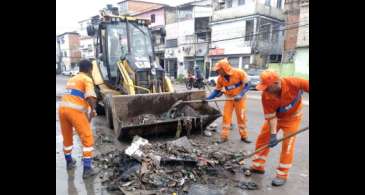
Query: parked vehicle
{"type": "Point", "coordinates": [74, 72]}
{"type": "Point", "coordinates": [254, 77]}
{"type": "Point", "coordinates": [66, 73]}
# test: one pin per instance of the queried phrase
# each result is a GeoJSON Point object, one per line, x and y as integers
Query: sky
{"type": "Point", "coordinates": [69, 12]}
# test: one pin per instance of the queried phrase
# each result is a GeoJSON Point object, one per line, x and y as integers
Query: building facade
{"type": "Point", "coordinates": [159, 17]}
{"type": "Point", "coordinates": [292, 19]}
{"type": "Point", "coordinates": [69, 44]}
{"type": "Point", "coordinates": [187, 39]}
{"type": "Point", "coordinates": [248, 32]}
{"type": "Point", "coordinates": [301, 59]}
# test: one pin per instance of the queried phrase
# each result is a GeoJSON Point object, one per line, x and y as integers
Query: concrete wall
{"type": "Point", "coordinates": [159, 17]}
{"type": "Point", "coordinates": [202, 12]}
{"type": "Point", "coordinates": [303, 31]}
{"type": "Point", "coordinates": [87, 48]}
{"type": "Point", "coordinates": [170, 15]}
{"type": "Point", "coordinates": [301, 62]}
{"type": "Point", "coordinates": [249, 8]}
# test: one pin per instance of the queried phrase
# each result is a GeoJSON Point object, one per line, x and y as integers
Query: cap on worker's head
{"type": "Point", "coordinates": [223, 64]}
{"type": "Point", "coordinates": [85, 65]}
{"type": "Point", "coordinates": [267, 78]}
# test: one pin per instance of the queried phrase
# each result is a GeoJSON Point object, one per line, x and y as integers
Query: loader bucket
{"type": "Point", "coordinates": [145, 114]}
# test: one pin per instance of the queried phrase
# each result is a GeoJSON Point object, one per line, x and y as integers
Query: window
{"type": "Point", "coordinates": [171, 43]}
{"type": "Point", "coordinates": [234, 61]}
{"type": "Point", "coordinates": [65, 54]}
{"type": "Point", "coordinates": [275, 32]}
{"type": "Point", "coordinates": [185, 14]}
{"type": "Point", "coordinates": [278, 3]}
{"type": "Point", "coordinates": [201, 37]}
{"type": "Point", "coordinates": [241, 2]}
{"type": "Point", "coordinates": [267, 2]}
{"type": "Point", "coordinates": [153, 18]}
{"type": "Point", "coordinates": [228, 3]}
{"type": "Point", "coordinates": [265, 31]}
{"type": "Point", "coordinates": [249, 30]}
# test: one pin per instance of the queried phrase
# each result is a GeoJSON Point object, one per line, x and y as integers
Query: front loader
{"type": "Point", "coordinates": [131, 86]}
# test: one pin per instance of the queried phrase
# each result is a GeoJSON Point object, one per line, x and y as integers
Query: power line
{"type": "Point", "coordinates": [251, 35]}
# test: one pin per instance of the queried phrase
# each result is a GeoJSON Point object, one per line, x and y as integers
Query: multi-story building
{"type": "Point", "coordinates": [301, 59]}
{"type": "Point", "coordinates": [248, 32]}
{"type": "Point", "coordinates": [187, 38]}
{"type": "Point", "coordinates": [69, 44]}
{"type": "Point", "coordinates": [159, 17]}
{"type": "Point", "coordinates": [87, 45]}
{"type": "Point", "coordinates": [292, 21]}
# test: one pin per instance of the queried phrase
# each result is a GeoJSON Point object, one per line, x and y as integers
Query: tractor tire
{"type": "Point", "coordinates": [108, 111]}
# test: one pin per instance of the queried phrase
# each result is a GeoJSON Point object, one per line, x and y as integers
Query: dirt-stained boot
{"type": "Point", "coordinates": [70, 162]}
{"type": "Point", "coordinates": [89, 171]}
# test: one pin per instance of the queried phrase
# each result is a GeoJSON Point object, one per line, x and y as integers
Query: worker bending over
{"type": "Point", "coordinates": [282, 105]}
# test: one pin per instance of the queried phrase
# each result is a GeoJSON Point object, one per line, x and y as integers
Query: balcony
{"type": "Point", "coordinates": [246, 10]}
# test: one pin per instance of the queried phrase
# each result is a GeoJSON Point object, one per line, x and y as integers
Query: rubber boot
{"type": "Point", "coordinates": [278, 181]}
{"type": "Point", "coordinates": [70, 162]}
{"type": "Point", "coordinates": [88, 170]}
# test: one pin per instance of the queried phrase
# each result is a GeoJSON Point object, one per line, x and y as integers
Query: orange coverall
{"type": "Point", "coordinates": [235, 76]}
{"type": "Point", "coordinates": [288, 121]}
{"type": "Point", "coordinates": [73, 113]}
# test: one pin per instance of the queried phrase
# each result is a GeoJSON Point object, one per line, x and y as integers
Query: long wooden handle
{"type": "Point", "coordinates": [279, 140]}
{"type": "Point", "coordinates": [212, 100]}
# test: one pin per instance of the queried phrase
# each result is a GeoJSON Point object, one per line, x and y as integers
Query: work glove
{"type": "Point", "coordinates": [237, 97]}
{"type": "Point", "coordinates": [273, 141]}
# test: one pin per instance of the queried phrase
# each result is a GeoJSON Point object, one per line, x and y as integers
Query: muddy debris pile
{"type": "Point", "coordinates": [168, 167]}
{"type": "Point", "coordinates": [185, 111]}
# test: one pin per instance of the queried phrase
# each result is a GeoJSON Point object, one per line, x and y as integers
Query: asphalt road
{"type": "Point", "coordinates": [298, 182]}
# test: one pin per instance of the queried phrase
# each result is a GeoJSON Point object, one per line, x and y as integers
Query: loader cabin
{"type": "Point", "coordinates": [127, 39]}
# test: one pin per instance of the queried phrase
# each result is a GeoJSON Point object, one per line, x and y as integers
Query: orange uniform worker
{"type": "Point", "coordinates": [235, 85]}
{"type": "Point", "coordinates": [282, 105]}
{"type": "Point", "coordinates": [74, 113]}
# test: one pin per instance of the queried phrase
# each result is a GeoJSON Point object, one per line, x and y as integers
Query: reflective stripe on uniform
{"type": "Point", "coordinates": [259, 157]}
{"type": "Point", "coordinates": [73, 106]}
{"type": "Point", "coordinates": [86, 157]}
{"type": "Point", "coordinates": [67, 147]}
{"type": "Point", "coordinates": [280, 172]}
{"type": "Point", "coordinates": [233, 86]}
{"type": "Point", "coordinates": [242, 126]}
{"type": "Point", "coordinates": [75, 92]}
{"type": "Point", "coordinates": [286, 166]}
{"type": "Point", "coordinates": [257, 164]}
{"type": "Point", "coordinates": [267, 116]}
{"type": "Point", "coordinates": [87, 149]}
{"type": "Point", "coordinates": [226, 126]}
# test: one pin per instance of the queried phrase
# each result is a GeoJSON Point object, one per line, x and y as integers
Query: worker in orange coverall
{"type": "Point", "coordinates": [76, 111]}
{"type": "Point", "coordinates": [235, 84]}
{"type": "Point", "coordinates": [282, 105]}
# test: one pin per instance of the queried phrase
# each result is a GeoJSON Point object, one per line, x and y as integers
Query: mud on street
{"type": "Point", "coordinates": [171, 165]}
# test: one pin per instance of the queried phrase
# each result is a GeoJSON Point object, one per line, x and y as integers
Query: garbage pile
{"type": "Point", "coordinates": [185, 111]}
{"type": "Point", "coordinates": [168, 167]}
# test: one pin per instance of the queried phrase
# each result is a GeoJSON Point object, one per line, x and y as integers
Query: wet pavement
{"type": "Point", "coordinates": [298, 183]}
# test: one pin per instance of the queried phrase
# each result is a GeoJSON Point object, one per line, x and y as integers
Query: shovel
{"type": "Point", "coordinates": [279, 140]}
